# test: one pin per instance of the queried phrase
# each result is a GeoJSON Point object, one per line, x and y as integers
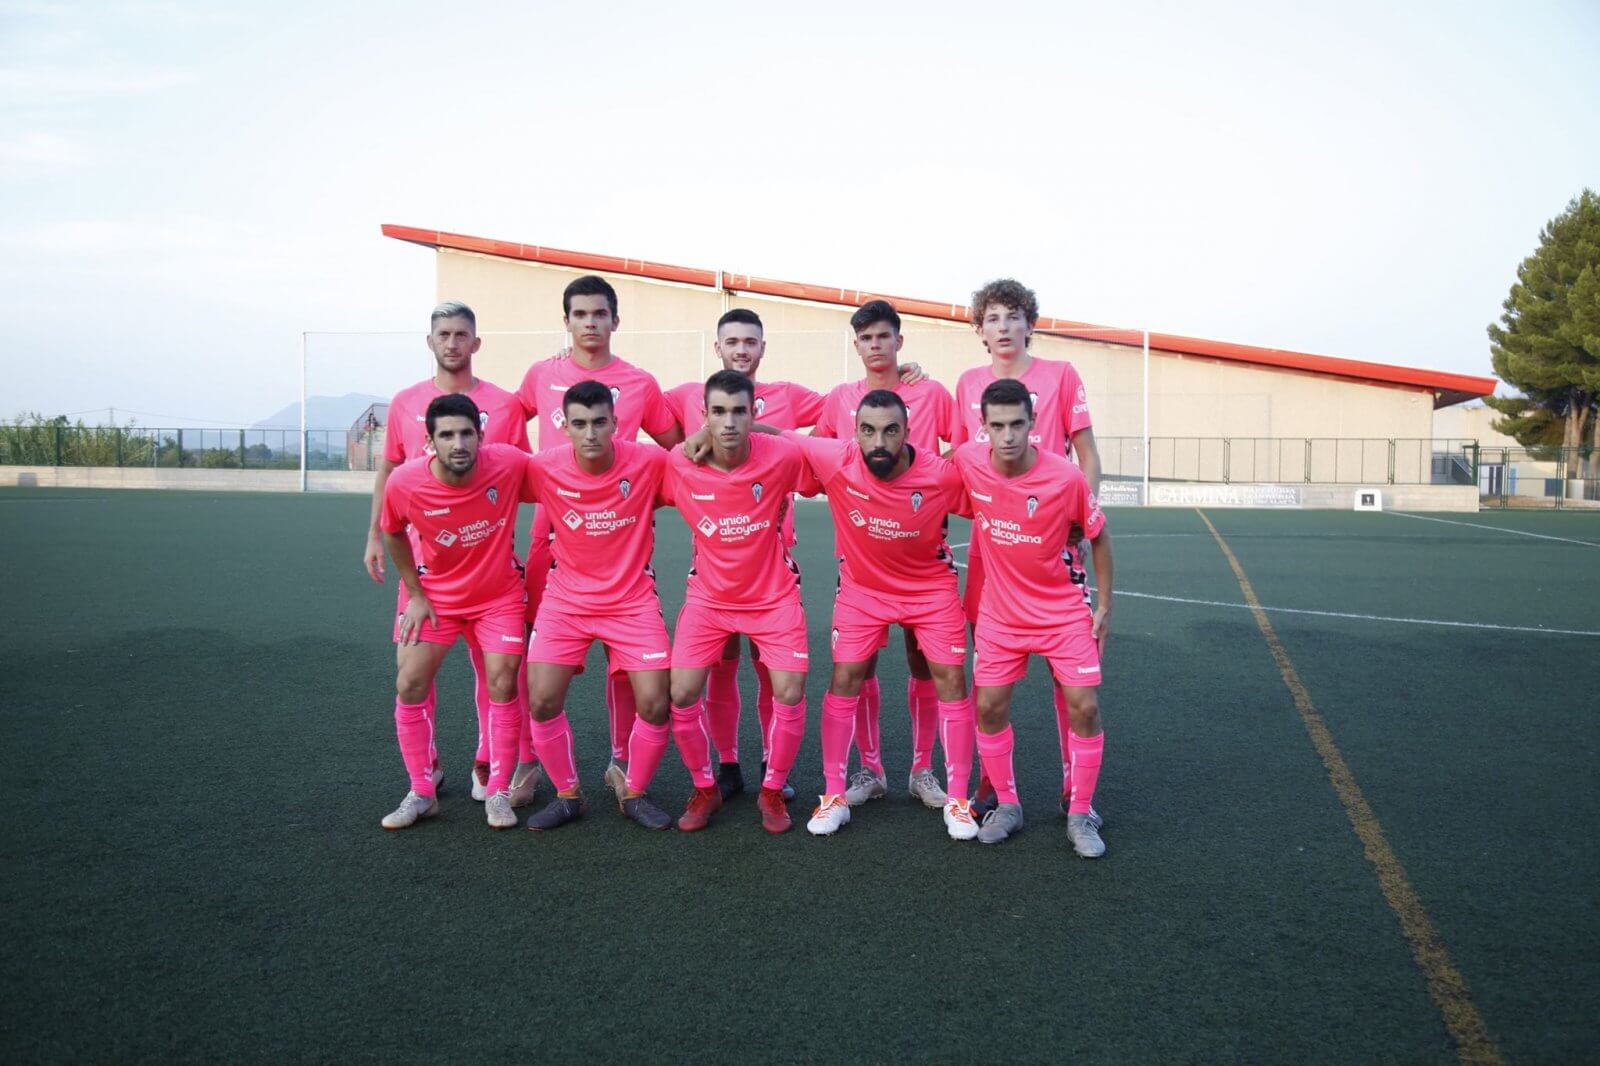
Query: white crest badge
{"type": "Point", "coordinates": [916, 502]}
{"type": "Point", "coordinates": [761, 405]}
{"type": "Point", "coordinates": [483, 420]}
{"type": "Point", "coordinates": [494, 495]}
{"type": "Point", "coordinates": [1033, 505]}
{"type": "Point", "coordinates": [625, 486]}
{"type": "Point", "coordinates": [755, 490]}
{"type": "Point", "coordinates": [616, 394]}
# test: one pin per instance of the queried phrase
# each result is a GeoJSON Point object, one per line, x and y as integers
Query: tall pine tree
{"type": "Point", "coordinates": [1548, 343]}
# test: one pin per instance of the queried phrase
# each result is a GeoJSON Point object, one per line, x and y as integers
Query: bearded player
{"type": "Point", "coordinates": [1027, 504]}
{"type": "Point", "coordinates": [453, 339]}
{"type": "Point", "coordinates": [929, 419]}
{"type": "Point", "coordinates": [1003, 314]}
{"type": "Point", "coordinates": [460, 502]}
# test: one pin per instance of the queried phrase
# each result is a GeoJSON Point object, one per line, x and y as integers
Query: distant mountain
{"type": "Point", "coordinates": [322, 412]}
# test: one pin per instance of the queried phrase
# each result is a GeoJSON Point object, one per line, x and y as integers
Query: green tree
{"type": "Point", "coordinates": [1547, 345]}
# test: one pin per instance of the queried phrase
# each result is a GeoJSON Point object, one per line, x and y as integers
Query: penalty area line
{"type": "Point", "coordinates": [1362, 617]}
{"type": "Point", "coordinates": [1446, 987]}
{"type": "Point", "coordinates": [1496, 529]}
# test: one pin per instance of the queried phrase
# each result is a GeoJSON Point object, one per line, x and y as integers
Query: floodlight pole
{"type": "Point", "coordinates": [1145, 499]}
{"type": "Point", "coordinates": [304, 445]}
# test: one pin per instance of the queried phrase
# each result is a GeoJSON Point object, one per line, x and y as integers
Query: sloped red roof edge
{"type": "Point", "coordinates": [1448, 388]}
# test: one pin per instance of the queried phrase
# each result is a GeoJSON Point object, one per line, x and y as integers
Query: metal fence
{"type": "Point", "coordinates": [248, 449]}
{"type": "Point", "coordinates": [1539, 477]}
{"type": "Point", "coordinates": [1292, 460]}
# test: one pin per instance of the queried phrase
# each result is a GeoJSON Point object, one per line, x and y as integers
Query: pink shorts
{"type": "Point", "coordinates": [1000, 654]}
{"type": "Point", "coordinates": [861, 627]}
{"type": "Point", "coordinates": [496, 629]}
{"type": "Point", "coordinates": [780, 633]}
{"type": "Point", "coordinates": [633, 641]}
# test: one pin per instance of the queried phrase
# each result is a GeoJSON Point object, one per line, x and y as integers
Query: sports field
{"type": "Point", "coordinates": [1346, 835]}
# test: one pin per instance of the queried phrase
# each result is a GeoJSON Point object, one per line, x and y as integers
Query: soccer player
{"type": "Point", "coordinates": [742, 579]}
{"type": "Point", "coordinates": [589, 311]}
{"type": "Point", "coordinates": [878, 341]}
{"type": "Point", "coordinates": [1027, 504]}
{"type": "Point", "coordinates": [460, 500]}
{"type": "Point", "coordinates": [1003, 314]}
{"type": "Point", "coordinates": [889, 500]}
{"type": "Point", "coordinates": [453, 339]}
{"type": "Point", "coordinates": [602, 493]}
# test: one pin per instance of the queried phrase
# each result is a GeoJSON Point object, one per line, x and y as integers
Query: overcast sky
{"type": "Point", "coordinates": [188, 187]}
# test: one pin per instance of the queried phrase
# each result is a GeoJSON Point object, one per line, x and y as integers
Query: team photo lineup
{"type": "Point", "coordinates": [894, 453]}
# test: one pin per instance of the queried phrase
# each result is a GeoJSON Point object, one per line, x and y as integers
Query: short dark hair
{"type": "Point", "coordinates": [453, 309]}
{"type": "Point", "coordinates": [885, 398]}
{"type": "Point", "coordinates": [588, 394]}
{"type": "Point", "coordinates": [731, 382]}
{"type": "Point", "coordinates": [452, 404]}
{"type": "Point", "coordinates": [741, 314]}
{"type": "Point", "coordinates": [589, 285]}
{"type": "Point", "coordinates": [1005, 393]}
{"type": "Point", "coordinates": [873, 312]}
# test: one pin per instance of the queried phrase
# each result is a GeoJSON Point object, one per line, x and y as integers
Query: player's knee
{"type": "Point", "coordinates": [543, 706]}
{"type": "Point", "coordinates": [949, 681]}
{"type": "Point", "coordinates": [848, 679]}
{"type": "Point", "coordinates": [683, 695]}
{"type": "Point", "coordinates": [993, 713]}
{"type": "Point", "coordinates": [410, 688]}
{"type": "Point", "coordinates": [790, 689]}
{"type": "Point", "coordinates": [653, 708]}
{"type": "Point", "coordinates": [1083, 710]}
{"type": "Point", "coordinates": [502, 685]}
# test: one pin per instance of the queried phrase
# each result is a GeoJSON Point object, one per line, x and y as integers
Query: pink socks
{"type": "Point", "coordinates": [838, 730]}
{"type": "Point", "coordinates": [505, 729]}
{"type": "Point", "coordinates": [722, 708]}
{"type": "Point", "coordinates": [645, 747]}
{"type": "Point", "coordinates": [694, 744]}
{"type": "Point", "coordinates": [1064, 730]}
{"type": "Point", "coordinates": [1085, 769]}
{"type": "Point", "coordinates": [788, 730]}
{"type": "Point", "coordinates": [764, 707]}
{"type": "Point", "coordinates": [431, 705]}
{"type": "Point", "coordinates": [623, 711]}
{"type": "Point", "coordinates": [922, 698]}
{"type": "Point", "coordinates": [552, 740]}
{"type": "Point", "coordinates": [480, 698]}
{"type": "Point", "coordinates": [525, 751]}
{"type": "Point", "coordinates": [415, 733]}
{"type": "Point", "coordinates": [957, 723]}
{"type": "Point", "coordinates": [867, 726]}
{"type": "Point", "coordinates": [994, 752]}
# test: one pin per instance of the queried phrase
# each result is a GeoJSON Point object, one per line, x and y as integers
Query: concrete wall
{"type": "Point", "coordinates": [129, 477]}
{"type": "Point", "coordinates": [1471, 420]}
{"type": "Point", "coordinates": [668, 329]}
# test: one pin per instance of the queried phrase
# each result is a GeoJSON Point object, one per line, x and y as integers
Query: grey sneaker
{"type": "Point", "coordinates": [788, 789]}
{"type": "Point", "coordinates": [497, 809]}
{"type": "Point", "coordinates": [1085, 836]}
{"type": "Point", "coordinates": [525, 782]}
{"type": "Point", "coordinates": [412, 809]}
{"type": "Point", "coordinates": [480, 781]}
{"type": "Point", "coordinates": [866, 785]}
{"type": "Point", "coordinates": [617, 781]}
{"type": "Point", "coordinates": [1001, 823]}
{"type": "Point", "coordinates": [925, 787]}
{"type": "Point", "coordinates": [643, 810]}
{"type": "Point", "coordinates": [438, 778]}
{"type": "Point", "coordinates": [1066, 812]}
{"type": "Point", "coordinates": [556, 813]}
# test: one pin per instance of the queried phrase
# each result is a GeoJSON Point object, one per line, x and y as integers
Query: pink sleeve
{"type": "Point", "coordinates": [958, 421]}
{"type": "Point", "coordinates": [519, 435]}
{"type": "Point", "coordinates": [658, 417]}
{"type": "Point", "coordinates": [1094, 520]}
{"type": "Point", "coordinates": [532, 480]}
{"type": "Point", "coordinates": [826, 417]}
{"type": "Point", "coordinates": [1075, 402]}
{"type": "Point", "coordinates": [823, 455]}
{"type": "Point", "coordinates": [395, 497]}
{"type": "Point", "coordinates": [955, 492]}
{"type": "Point", "coordinates": [808, 406]}
{"type": "Point", "coordinates": [674, 399]}
{"type": "Point", "coordinates": [391, 436]}
{"type": "Point", "coordinates": [946, 414]}
{"type": "Point", "coordinates": [665, 495]}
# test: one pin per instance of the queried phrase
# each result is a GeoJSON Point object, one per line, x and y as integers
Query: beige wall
{"type": "Point", "coordinates": [1471, 421]}
{"type": "Point", "coordinates": [809, 343]}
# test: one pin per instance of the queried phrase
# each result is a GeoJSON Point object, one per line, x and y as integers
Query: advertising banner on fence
{"type": "Point", "coordinates": [1225, 496]}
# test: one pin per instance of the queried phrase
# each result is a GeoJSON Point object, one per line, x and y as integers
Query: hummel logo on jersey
{"type": "Point", "coordinates": [494, 495]}
{"type": "Point", "coordinates": [510, 639]}
{"type": "Point", "coordinates": [858, 495]}
{"type": "Point", "coordinates": [916, 502]}
{"type": "Point", "coordinates": [702, 495]}
{"type": "Point", "coordinates": [436, 512]}
{"type": "Point", "coordinates": [652, 655]}
{"type": "Point", "coordinates": [573, 519]}
{"type": "Point", "coordinates": [625, 486]}
{"type": "Point", "coordinates": [706, 526]}
{"type": "Point", "coordinates": [958, 649]}
{"type": "Point", "coordinates": [559, 388]}
{"type": "Point", "coordinates": [422, 418]}
{"type": "Point", "coordinates": [569, 492]}
{"type": "Point", "coordinates": [1033, 505]}
{"type": "Point", "coordinates": [981, 496]}
{"type": "Point", "coordinates": [856, 519]}
{"type": "Point", "coordinates": [755, 490]}
{"type": "Point", "coordinates": [445, 537]}
{"type": "Point", "coordinates": [1088, 669]}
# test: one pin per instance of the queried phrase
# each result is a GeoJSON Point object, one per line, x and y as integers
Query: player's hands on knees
{"type": "Point", "coordinates": [374, 558]}
{"type": "Point", "coordinates": [419, 610]}
{"type": "Point", "coordinates": [698, 447]}
{"type": "Point", "coordinates": [1102, 626]}
{"type": "Point", "coordinates": [911, 373]}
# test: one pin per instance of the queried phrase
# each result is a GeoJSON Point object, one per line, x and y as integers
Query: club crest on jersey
{"type": "Point", "coordinates": [1033, 398]}
{"type": "Point", "coordinates": [625, 486]}
{"type": "Point", "coordinates": [916, 502]}
{"type": "Point", "coordinates": [835, 638]}
{"type": "Point", "coordinates": [494, 495]}
{"type": "Point", "coordinates": [558, 418]}
{"type": "Point", "coordinates": [483, 420]}
{"type": "Point", "coordinates": [761, 404]}
{"type": "Point", "coordinates": [616, 394]}
{"type": "Point", "coordinates": [755, 490]}
{"type": "Point", "coordinates": [1033, 505]}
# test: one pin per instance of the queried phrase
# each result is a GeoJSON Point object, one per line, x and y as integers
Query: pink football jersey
{"type": "Point", "coordinates": [406, 432]}
{"type": "Point", "coordinates": [635, 395]}
{"type": "Point", "coordinates": [930, 412]}
{"type": "Point", "coordinates": [1060, 404]}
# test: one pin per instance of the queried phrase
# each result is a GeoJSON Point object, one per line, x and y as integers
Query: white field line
{"type": "Point", "coordinates": [1368, 617]}
{"type": "Point", "coordinates": [1497, 529]}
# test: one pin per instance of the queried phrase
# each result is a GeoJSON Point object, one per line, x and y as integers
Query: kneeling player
{"type": "Point", "coordinates": [462, 502]}
{"type": "Point", "coordinates": [1025, 502]}
{"type": "Point", "coordinates": [602, 494]}
{"type": "Point", "coordinates": [889, 502]}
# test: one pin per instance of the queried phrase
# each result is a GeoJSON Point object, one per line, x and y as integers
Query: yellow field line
{"type": "Point", "coordinates": [1445, 984]}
